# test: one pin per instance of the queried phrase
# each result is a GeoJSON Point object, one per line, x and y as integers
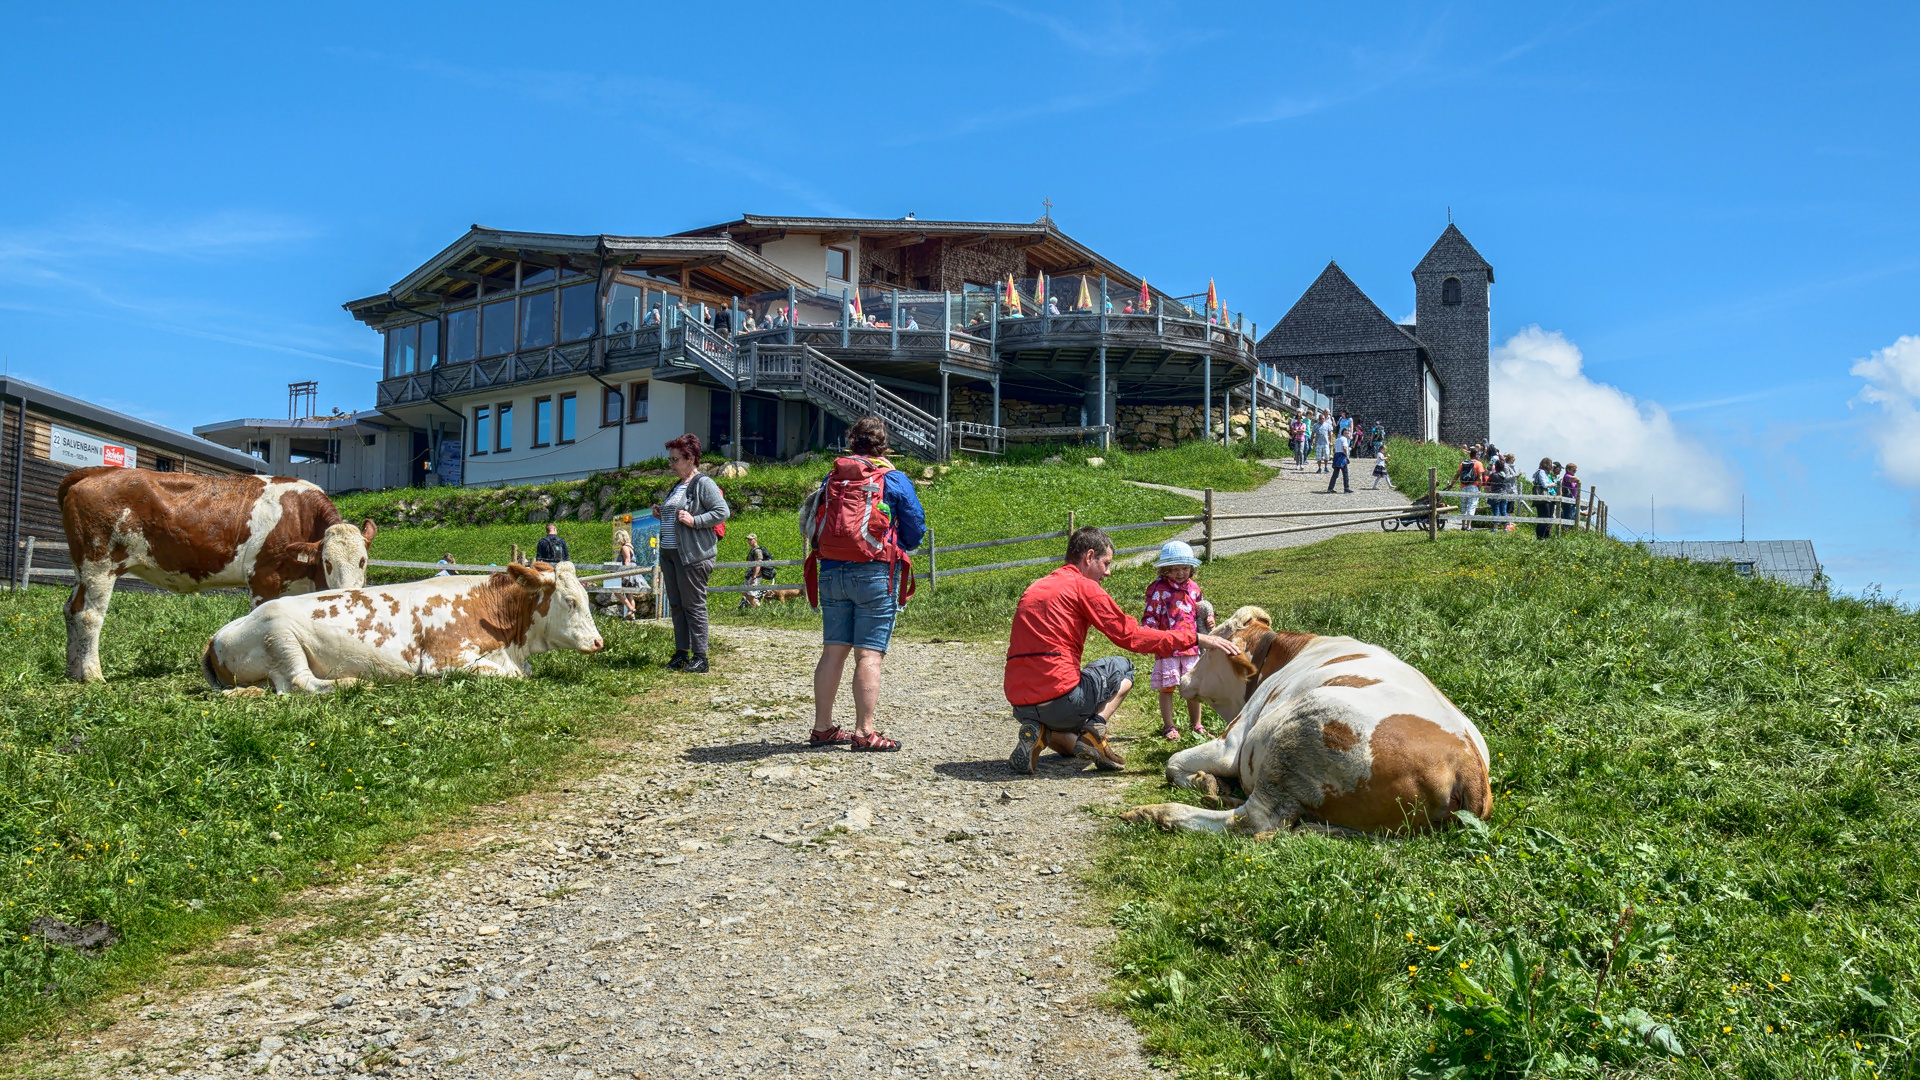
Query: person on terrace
{"type": "Point", "coordinates": [1060, 704]}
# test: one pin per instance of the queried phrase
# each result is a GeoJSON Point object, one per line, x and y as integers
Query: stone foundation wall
{"type": "Point", "coordinates": [1138, 425]}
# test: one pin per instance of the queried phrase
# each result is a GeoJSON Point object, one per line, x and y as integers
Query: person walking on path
{"type": "Point", "coordinates": [689, 518]}
{"type": "Point", "coordinates": [1469, 477]}
{"type": "Point", "coordinates": [552, 548]}
{"type": "Point", "coordinates": [1543, 484]}
{"type": "Point", "coordinates": [1297, 434]}
{"type": "Point", "coordinates": [1380, 468]}
{"type": "Point", "coordinates": [1321, 439]}
{"type": "Point", "coordinates": [756, 575]}
{"type": "Point", "coordinates": [1570, 489]}
{"type": "Point", "coordinates": [623, 557]}
{"type": "Point", "coordinates": [1060, 704]}
{"type": "Point", "coordinates": [862, 521]}
{"type": "Point", "coordinates": [1174, 602]}
{"type": "Point", "coordinates": [1341, 450]}
{"type": "Point", "coordinates": [1377, 437]}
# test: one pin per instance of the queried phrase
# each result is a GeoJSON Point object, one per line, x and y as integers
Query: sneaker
{"type": "Point", "coordinates": [1026, 753]}
{"type": "Point", "coordinates": [1094, 747]}
{"type": "Point", "coordinates": [695, 665]}
{"type": "Point", "coordinates": [679, 660]}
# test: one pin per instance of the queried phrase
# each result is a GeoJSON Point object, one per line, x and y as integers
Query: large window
{"type": "Point", "coordinates": [637, 402]}
{"type": "Point", "coordinates": [429, 345]}
{"type": "Point", "coordinates": [542, 421]}
{"type": "Point", "coordinates": [610, 406]}
{"type": "Point", "coordinates": [482, 430]}
{"type": "Point", "coordinates": [536, 320]}
{"type": "Point", "coordinates": [496, 328]}
{"type": "Point", "coordinates": [839, 261]}
{"type": "Point", "coordinates": [576, 311]}
{"type": "Point", "coordinates": [567, 413]}
{"type": "Point", "coordinates": [1450, 291]}
{"type": "Point", "coordinates": [403, 344]}
{"type": "Point", "coordinates": [535, 275]}
{"type": "Point", "coordinates": [503, 426]}
{"type": "Point", "coordinates": [463, 335]}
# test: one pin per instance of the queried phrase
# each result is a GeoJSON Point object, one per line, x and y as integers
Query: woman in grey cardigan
{"type": "Point", "coordinates": [688, 546]}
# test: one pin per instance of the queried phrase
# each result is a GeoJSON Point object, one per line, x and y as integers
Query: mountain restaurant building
{"type": "Point", "coordinates": [524, 357]}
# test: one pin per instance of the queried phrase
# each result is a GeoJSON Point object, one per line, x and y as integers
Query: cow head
{"type": "Point", "coordinates": [1221, 680]}
{"type": "Point", "coordinates": [343, 554]}
{"type": "Point", "coordinates": [563, 616]}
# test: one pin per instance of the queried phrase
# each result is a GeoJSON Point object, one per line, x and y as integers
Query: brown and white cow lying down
{"type": "Point", "coordinates": [185, 533]}
{"type": "Point", "coordinates": [1327, 731]}
{"type": "Point", "coordinates": [472, 623]}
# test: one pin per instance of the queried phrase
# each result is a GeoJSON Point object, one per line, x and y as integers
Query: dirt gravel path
{"type": "Point", "coordinates": [1292, 490]}
{"type": "Point", "coordinates": [721, 902]}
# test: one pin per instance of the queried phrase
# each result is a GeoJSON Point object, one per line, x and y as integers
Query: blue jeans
{"type": "Point", "coordinates": [856, 604]}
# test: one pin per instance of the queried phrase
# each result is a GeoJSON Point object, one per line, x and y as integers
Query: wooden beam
{"type": "Point", "coordinates": [969, 240]}
{"type": "Point", "coordinates": [756, 237]}
{"type": "Point", "coordinates": [838, 238]}
{"type": "Point", "coordinates": [897, 242]}
{"type": "Point", "coordinates": [537, 258]}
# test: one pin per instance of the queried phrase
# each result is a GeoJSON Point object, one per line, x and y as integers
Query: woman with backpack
{"type": "Point", "coordinates": [1543, 484]}
{"type": "Point", "coordinates": [860, 523]}
{"type": "Point", "coordinates": [691, 519]}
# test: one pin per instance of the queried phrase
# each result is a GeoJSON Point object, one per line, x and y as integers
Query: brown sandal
{"type": "Point", "coordinates": [876, 743]}
{"type": "Point", "coordinates": [833, 736]}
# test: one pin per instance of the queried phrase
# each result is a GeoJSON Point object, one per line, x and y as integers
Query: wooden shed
{"type": "Point", "coordinates": [45, 434]}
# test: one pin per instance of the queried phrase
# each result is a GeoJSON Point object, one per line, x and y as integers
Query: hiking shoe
{"type": "Point", "coordinates": [1026, 753]}
{"type": "Point", "coordinates": [1094, 747]}
{"type": "Point", "coordinates": [679, 660]}
{"type": "Point", "coordinates": [695, 665]}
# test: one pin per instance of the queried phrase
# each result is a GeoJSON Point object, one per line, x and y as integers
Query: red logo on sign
{"type": "Point", "coordinates": [115, 455]}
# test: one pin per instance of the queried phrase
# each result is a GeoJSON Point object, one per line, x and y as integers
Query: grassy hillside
{"type": "Point", "coordinates": [1699, 861]}
{"type": "Point", "coordinates": [171, 812]}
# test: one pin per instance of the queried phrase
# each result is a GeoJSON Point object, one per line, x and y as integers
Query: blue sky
{"type": "Point", "coordinates": [1703, 218]}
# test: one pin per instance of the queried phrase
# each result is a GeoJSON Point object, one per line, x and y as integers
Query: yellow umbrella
{"type": "Point", "coordinates": [1085, 302]}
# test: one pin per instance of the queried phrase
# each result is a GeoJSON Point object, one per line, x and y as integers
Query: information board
{"type": "Point", "coordinates": [79, 449]}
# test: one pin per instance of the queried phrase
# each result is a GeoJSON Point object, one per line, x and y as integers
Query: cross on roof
{"type": "Point", "coordinates": [1048, 203]}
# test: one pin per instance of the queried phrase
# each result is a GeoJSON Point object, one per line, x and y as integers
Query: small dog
{"type": "Point", "coordinates": [755, 599]}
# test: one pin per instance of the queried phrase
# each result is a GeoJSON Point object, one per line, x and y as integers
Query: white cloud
{"type": "Point", "coordinates": [1893, 383]}
{"type": "Point", "coordinates": [1543, 404]}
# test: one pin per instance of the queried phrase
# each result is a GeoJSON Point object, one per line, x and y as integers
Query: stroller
{"type": "Point", "coordinates": [1416, 517]}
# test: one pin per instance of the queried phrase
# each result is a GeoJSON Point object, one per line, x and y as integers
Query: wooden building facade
{"type": "Point", "coordinates": [44, 435]}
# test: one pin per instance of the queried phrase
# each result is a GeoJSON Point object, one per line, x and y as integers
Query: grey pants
{"type": "Point", "coordinates": [686, 588]}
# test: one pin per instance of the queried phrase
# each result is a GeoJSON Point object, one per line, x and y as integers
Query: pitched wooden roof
{"type": "Point", "coordinates": [1452, 252]}
{"type": "Point", "coordinates": [1334, 316]}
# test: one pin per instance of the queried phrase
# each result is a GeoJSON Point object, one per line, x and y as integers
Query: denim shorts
{"type": "Point", "coordinates": [856, 606]}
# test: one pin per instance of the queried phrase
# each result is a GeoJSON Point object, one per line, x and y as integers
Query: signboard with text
{"type": "Point", "coordinates": [79, 449]}
{"type": "Point", "coordinates": [450, 462]}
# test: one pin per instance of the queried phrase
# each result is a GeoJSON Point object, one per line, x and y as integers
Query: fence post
{"type": "Point", "coordinates": [1070, 517]}
{"type": "Point", "coordinates": [1593, 500]}
{"type": "Point", "coordinates": [26, 567]}
{"type": "Point", "coordinates": [933, 563]}
{"type": "Point", "coordinates": [659, 590]}
{"type": "Point", "coordinates": [1433, 504]}
{"type": "Point", "coordinates": [1207, 535]}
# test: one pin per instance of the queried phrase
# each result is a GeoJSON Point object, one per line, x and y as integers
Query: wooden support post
{"type": "Point", "coordinates": [846, 319]}
{"type": "Point", "coordinates": [933, 563]}
{"type": "Point", "coordinates": [1070, 516]}
{"type": "Point", "coordinates": [1103, 392]}
{"type": "Point", "coordinates": [1206, 397]}
{"type": "Point", "coordinates": [1103, 305]}
{"type": "Point", "coordinates": [26, 567]}
{"type": "Point", "coordinates": [659, 590]}
{"type": "Point", "coordinates": [996, 401]}
{"type": "Point", "coordinates": [946, 408]}
{"type": "Point", "coordinates": [1593, 500]}
{"type": "Point", "coordinates": [792, 310]}
{"type": "Point", "coordinates": [1207, 533]}
{"type": "Point", "coordinates": [1433, 504]}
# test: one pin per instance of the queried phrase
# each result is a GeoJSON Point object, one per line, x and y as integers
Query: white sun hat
{"type": "Point", "coordinates": [1177, 553]}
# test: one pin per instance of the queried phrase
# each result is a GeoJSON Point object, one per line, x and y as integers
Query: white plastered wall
{"type": "Point", "coordinates": [673, 408]}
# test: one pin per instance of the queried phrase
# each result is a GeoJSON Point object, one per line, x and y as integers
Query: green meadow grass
{"type": "Point", "coordinates": [171, 812]}
{"type": "Point", "coordinates": [1700, 860]}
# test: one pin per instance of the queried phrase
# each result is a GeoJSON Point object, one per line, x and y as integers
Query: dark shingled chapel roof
{"type": "Point", "coordinates": [1334, 316]}
{"type": "Point", "coordinates": [1453, 252]}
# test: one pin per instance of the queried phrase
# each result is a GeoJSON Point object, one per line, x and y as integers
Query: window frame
{"type": "Point", "coordinates": [617, 397]}
{"type": "Point", "coordinates": [539, 429]}
{"type": "Point", "coordinates": [473, 343]}
{"type": "Point", "coordinates": [637, 403]}
{"type": "Point", "coordinates": [523, 321]}
{"type": "Point", "coordinates": [1451, 293]}
{"type": "Point", "coordinates": [1333, 385]}
{"type": "Point", "coordinates": [512, 304]}
{"type": "Point", "coordinates": [482, 425]}
{"type": "Point", "coordinates": [502, 423]}
{"type": "Point", "coordinates": [560, 426]}
{"type": "Point", "coordinates": [846, 264]}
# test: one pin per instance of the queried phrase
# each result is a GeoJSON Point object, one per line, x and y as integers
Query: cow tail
{"type": "Point", "coordinates": [207, 668]}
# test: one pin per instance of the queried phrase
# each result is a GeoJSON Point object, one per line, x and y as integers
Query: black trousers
{"type": "Point", "coordinates": [1340, 474]}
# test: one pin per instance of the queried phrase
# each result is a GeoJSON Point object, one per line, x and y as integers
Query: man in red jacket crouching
{"type": "Point", "coordinates": [1059, 703]}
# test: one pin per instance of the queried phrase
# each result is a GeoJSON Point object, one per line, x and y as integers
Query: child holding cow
{"type": "Point", "coordinates": [1174, 603]}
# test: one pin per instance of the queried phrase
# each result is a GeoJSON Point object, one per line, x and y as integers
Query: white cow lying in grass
{"type": "Point", "coordinates": [1329, 731]}
{"type": "Point", "coordinates": [488, 624]}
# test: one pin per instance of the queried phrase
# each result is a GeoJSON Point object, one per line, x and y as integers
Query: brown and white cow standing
{"type": "Point", "coordinates": [272, 535]}
{"type": "Point", "coordinates": [485, 624]}
{"type": "Point", "coordinates": [1336, 733]}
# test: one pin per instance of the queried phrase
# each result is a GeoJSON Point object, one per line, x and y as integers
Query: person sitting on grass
{"type": "Point", "coordinates": [1059, 703]}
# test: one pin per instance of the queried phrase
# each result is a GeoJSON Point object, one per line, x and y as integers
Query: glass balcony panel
{"type": "Point", "coordinates": [536, 320]}
{"type": "Point", "coordinates": [496, 328]}
{"type": "Point", "coordinates": [463, 335]}
{"type": "Point", "coordinates": [626, 305]}
{"type": "Point", "coordinates": [536, 275]}
{"type": "Point", "coordinates": [429, 345]}
{"type": "Point", "coordinates": [576, 312]}
{"type": "Point", "coordinates": [402, 349]}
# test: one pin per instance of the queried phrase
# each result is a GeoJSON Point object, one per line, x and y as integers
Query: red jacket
{"type": "Point", "coordinates": [1050, 632]}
